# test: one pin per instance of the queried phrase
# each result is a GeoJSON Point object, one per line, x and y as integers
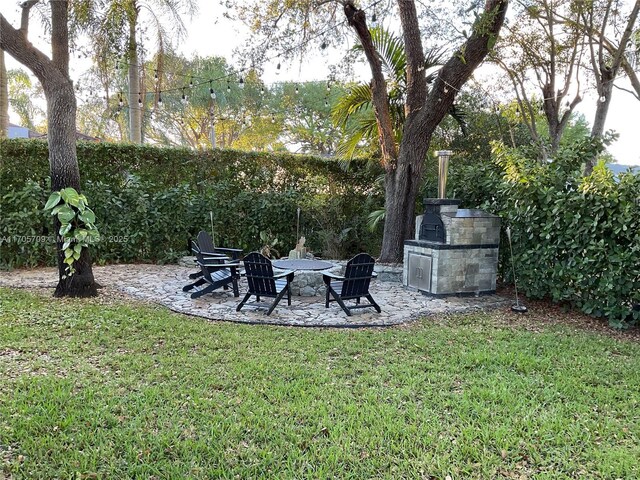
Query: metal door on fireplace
{"type": "Point", "coordinates": [419, 272]}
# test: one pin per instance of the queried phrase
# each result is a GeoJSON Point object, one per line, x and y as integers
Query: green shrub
{"type": "Point", "coordinates": [150, 201]}
{"type": "Point", "coordinates": [575, 240]}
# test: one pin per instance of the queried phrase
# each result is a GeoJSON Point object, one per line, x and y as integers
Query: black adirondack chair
{"type": "Point", "coordinates": [215, 272]}
{"type": "Point", "coordinates": [353, 285]}
{"type": "Point", "coordinates": [205, 243]}
{"type": "Point", "coordinates": [262, 281]}
{"type": "Point", "coordinates": [205, 246]}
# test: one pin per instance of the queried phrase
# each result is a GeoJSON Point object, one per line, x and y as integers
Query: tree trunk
{"type": "Point", "coordinates": [53, 74]}
{"type": "Point", "coordinates": [401, 189]}
{"type": "Point", "coordinates": [63, 164]}
{"type": "Point", "coordinates": [135, 109]}
{"type": "Point", "coordinates": [606, 70]}
{"type": "Point", "coordinates": [4, 97]}
{"type": "Point", "coordinates": [602, 109]}
{"type": "Point", "coordinates": [404, 173]}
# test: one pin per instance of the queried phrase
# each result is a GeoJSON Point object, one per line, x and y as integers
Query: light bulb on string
{"type": "Point", "coordinates": [273, 118]}
{"type": "Point", "coordinates": [297, 90]}
{"type": "Point", "coordinates": [324, 45]}
{"type": "Point", "coordinates": [228, 86]}
{"type": "Point", "coordinates": [191, 82]}
{"type": "Point", "coordinates": [159, 100]}
{"type": "Point", "coordinates": [328, 86]}
{"type": "Point", "coordinates": [261, 90]}
{"type": "Point", "coordinates": [184, 97]}
{"type": "Point", "coordinates": [326, 102]}
{"type": "Point", "coordinates": [140, 99]}
{"type": "Point", "coordinates": [278, 69]}
{"type": "Point", "coordinates": [120, 102]}
{"type": "Point", "coordinates": [241, 82]}
{"type": "Point", "coordinates": [155, 75]}
{"type": "Point", "coordinates": [603, 99]}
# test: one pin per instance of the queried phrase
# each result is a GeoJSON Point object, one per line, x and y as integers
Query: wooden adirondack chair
{"type": "Point", "coordinates": [204, 246]}
{"type": "Point", "coordinates": [262, 281]}
{"type": "Point", "coordinates": [353, 285]}
{"type": "Point", "coordinates": [205, 243]}
{"type": "Point", "coordinates": [215, 272]}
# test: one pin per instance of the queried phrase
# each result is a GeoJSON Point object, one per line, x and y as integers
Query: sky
{"type": "Point", "coordinates": [209, 34]}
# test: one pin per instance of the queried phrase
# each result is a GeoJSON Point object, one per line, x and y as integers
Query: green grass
{"type": "Point", "coordinates": [89, 390]}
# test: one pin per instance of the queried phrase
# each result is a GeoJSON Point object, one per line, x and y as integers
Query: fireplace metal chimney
{"type": "Point", "coordinates": [443, 168]}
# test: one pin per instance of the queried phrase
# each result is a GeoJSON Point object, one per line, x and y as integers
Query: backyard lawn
{"type": "Point", "coordinates": [104, 388]}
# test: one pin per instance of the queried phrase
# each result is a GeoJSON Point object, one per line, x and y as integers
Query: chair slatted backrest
{"type": "Point", "coordinates": [259, 274]}
{"type": "Point", "coordinates": [358, 275]}
{"type": "Point", "coordinates": [205, 242]}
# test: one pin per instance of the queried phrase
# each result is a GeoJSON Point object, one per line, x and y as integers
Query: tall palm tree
{"type": "Point", "coordinates": [354, 111]}
{"type": "Point", "coordinates": [119, 23]}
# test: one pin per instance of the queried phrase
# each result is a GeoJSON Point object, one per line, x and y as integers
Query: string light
{"type": "Point", "coordinates": [241, 83]}
{"type": "Point", "coordinates": [603, 99]}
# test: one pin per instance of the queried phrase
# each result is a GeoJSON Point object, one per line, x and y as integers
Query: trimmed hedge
{"type": "Point", "coordinates": [150, 201]}
{"type": "Point", "coordinates": [575, 239]}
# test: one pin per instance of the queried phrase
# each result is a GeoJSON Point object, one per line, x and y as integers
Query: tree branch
{"type": "Point", "coordinates": [16, 44]}
{"type": "Point", "coordinates": [461, 65]}
{"type": "Point", "coordinates": [416, 80]}
{"type": "Point", "coordinates": [24, 20]}
{"type": "Point", "coordinates": [379, 96]}
{"type": "Point", "coordinates": [60, 47]}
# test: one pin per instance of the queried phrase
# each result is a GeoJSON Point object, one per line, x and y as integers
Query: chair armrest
{"type": "Point", "coordinates": [219, 265]}
{"type": "Point", "coordinates": [333, 276]}
{"type": "Point", "coordinates": [214, 257]}
{"type": "Point", "coordinates": [283, 274]}
{"type": "Point", "coordinates": [374, 274]}
{"type": "Point", "coordinates": [212, 254]}
{"type": "Point", "coordinates": [232, 252]}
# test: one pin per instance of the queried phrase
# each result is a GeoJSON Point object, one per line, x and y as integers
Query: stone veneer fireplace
{"type": "Point", "coordinates": [455, 250]}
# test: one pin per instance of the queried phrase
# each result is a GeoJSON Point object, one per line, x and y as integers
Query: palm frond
{"type": "Point", "coordinates": [356, 100]}
{"type": "Point", "coordinates": [392, 54]}
{"type": "Point", "coordinates": [349, 144]}
{"type": "Point", "coordinates": [459, 114]}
